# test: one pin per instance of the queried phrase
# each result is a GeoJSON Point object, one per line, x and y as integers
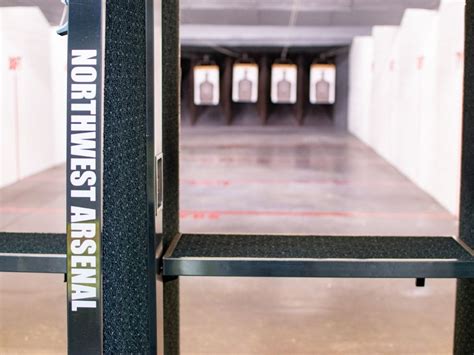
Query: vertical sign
{"type": "Point", "coordinates": [284, 79]}
{"type": "Point", "coordinates": [322, 88]}
{"type": "Point", "coordinates": [245, 82]}
{"type": "Point", "coordinates": [206, 85]}
{"type": "Point", "coordinates": [84, 167]}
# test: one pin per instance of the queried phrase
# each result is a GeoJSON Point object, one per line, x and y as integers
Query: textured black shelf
{"type": "Point", "coordinates": [33, 252]}
{"type": "Point", "coordinates": [318, 256]}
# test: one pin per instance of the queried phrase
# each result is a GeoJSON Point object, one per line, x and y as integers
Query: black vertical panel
{"type": "Point", "coordinates": [128, 209]}
{"type": "Point", "coordinates": [171, 101]}
{"type": "Point", "coordinates": [467, 173]}
{"type": "Point", "coordinates": [226, 90]}
{"type": "Point", "coordinates": [263, 89]}
{"type": "Point", "coordinates": [301, 98]}
{"type": "Point", "coordinates": [464, 327]}
{"type": "Point", "coordinates": [170, 122]}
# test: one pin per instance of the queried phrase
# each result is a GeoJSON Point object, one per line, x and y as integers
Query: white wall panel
{"type": "Point", "coordinates": [9, 120]}
{"type": "Point", "coordinates": [27, 116]}
{"type": "Point", "coordinates": [360, 86]}
{"type": "Point", "coordinates": [59, 94]}
{"type": "Point", "coordinates": [382, 95]}
{"type": "Point", "coordinates": [450, 97]}
{"type": "Point", "coordinates": [415, 97]}
{"type": "Point", "coordinates": [415, 94]}
{"type": "Point", "coordinates": [6, 175]}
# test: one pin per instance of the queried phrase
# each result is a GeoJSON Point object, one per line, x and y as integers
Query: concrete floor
{"type": "Point", "coordinates": [261, 180]}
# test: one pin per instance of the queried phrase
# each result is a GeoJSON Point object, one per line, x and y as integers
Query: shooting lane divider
{"type": "Point", "coordinates": [264, 89]}
{"type": "Point", "coordinates": [301, 93]}
{"type": "Point", "coordinates": [226, 90]}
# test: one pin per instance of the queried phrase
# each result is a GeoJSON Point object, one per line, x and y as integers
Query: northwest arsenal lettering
{"type": "Point", "coordinates": [84, 245]}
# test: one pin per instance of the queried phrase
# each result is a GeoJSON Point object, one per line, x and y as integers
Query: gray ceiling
{"type": "Point", "coordinates": [269, 36]}
{"type": "Point", "coordinates": [314, 5]}
{"type": "Point", "coordinates": [264, 22]}
{"type": "Point", "coordinates": [310, 12]}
